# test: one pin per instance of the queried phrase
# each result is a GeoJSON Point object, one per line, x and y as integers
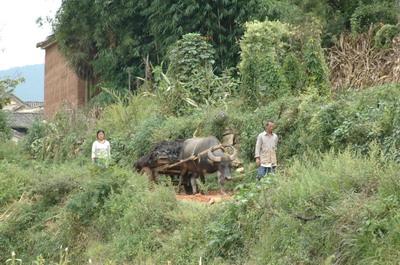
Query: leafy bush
{"type": "Point", "coordinates": [33, 142]}
{"type": "Point", "coordinates": [262, 75]}
{"type": "Point", "coordinates": [190, 82]}
{"type": "Point", "coordinates": [278, 58]}
{"type": "Point", "coordinates": [366, 15]}
{"type": "Point", "coordinates": [189, 55]}
{"type": "Point", "coordinates": [174, 128]}
{"type": "Point", "coordinates": [384, 36]}
{"type": "Point", "coordinates": [5, 130]}
{"type": "Point", "coordinates": [129, 147]}
{"type": "Point", "coordinates": [294, 71]}
{"type": "Point", "coordinates": [316, 67]}
{"type": "Point", "coordinates": [59, 139]}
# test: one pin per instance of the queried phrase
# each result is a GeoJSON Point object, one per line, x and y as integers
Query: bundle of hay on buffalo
{"type": "Point", "coordinates": [157, 161]}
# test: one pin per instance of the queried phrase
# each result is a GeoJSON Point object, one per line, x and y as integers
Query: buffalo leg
{"type": "Point", "coordinates": [147, 171]}
{"type": "Point", "coordinates": [193, 182]}
{"type": "Point", "coordinates": [221, 181]}
{"type": "Point", "coordinates": [183, 173]}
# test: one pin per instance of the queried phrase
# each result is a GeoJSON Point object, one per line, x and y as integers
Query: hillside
{"type": "Point", "coordinates": [33, 87]}
{"type": "Point", "coordinates": [325, 72]}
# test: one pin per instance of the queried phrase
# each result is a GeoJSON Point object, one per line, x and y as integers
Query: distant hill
{"type": "Point", "coordinates": [33, 87]}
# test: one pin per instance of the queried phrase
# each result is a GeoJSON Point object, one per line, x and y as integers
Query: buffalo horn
{"type": "Point", "coordinates": [213, 157]}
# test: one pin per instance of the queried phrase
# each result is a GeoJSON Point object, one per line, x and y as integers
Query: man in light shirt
{"type": "Point", "coordinates": [265, 153]}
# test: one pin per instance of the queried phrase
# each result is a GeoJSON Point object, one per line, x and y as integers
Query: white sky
{"type": "Point", "coordinates": [19, 32]}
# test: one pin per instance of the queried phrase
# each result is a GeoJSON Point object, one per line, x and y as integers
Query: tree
{"type": "Point", "coordinates": [102, 38]}
{"type": "Point", "coordinates": [6, 87]}
{"type": "Point", "coordinates": [75, 26]}
{"type": "Point", "coordinates": [337, 16]}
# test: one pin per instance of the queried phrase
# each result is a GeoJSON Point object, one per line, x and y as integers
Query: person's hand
{"type": "Point", "coordinates": [258, 162]}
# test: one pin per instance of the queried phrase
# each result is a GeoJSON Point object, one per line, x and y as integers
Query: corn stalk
{"type": "Point", "coordinates": [356, 64]}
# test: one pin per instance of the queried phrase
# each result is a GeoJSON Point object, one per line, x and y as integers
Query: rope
{"type": "Point", "coordinates": [192, 157]}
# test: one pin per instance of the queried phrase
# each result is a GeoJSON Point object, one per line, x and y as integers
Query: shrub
{"type": "Point", "coordinates": [190, 81]}
{"type": "Point", "coordinates": [5, 130]}
{"type": "Point", "coordinates": [126, 148]}
{"type": "Point", "coordinates": [127, 111]}
{"type": "Point", "coordinates": [33, 140]}
{"type": "Point", "coordinates": [139, 220]}
{"type": "Point", "coordinates": [261, 72]}
{"type": "Point", "coordinates": [369, 117]}
{"type": "Point", "coordinates": [366, 15]}
{"type": "Point", "coordinates": [190, 68]}
{"type": "Point", "coordinates": [294, 72]}
{"type": "Point", "coordinates": [86, 204]}
{"type": "Point", "coordinates": [174, 128]}
{"type": "Point", "coordinates": [384, 36]}
{"type": "Point", "coordinates": [60, 138]}
{"type": "Point", "coordinates": [316, 67]}
{"type": "Point", "coordinates": [189, 55]}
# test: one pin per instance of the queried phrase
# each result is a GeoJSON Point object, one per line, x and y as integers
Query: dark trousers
{"type": "Point", "coordinates": [262, 171]}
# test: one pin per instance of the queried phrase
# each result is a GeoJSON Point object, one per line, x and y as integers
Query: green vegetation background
{"type": "Point", "coordinates": [334, 200]}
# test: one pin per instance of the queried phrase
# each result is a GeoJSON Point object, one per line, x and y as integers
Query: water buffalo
{"type": "Point", "coordinates": [211, 161]}
{"type": "Point", "coordinates": [163, 154]}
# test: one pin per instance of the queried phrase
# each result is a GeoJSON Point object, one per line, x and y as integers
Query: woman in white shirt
{"type": "Point", "coordinates": [101, 150]}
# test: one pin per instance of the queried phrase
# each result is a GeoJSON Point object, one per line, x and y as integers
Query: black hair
{"type": "Point", "coordinates": [268, 121]}
{"type": "Point", "coordinates": [100, 131]}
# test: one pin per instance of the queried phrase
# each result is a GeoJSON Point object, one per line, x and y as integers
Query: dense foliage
{"type": "Point", "coordinates": [106, 38]}
{"type": "Point", "coordinates": [5, 130]}
{"type": "Point", "coordinates": [6, 87]}
{"type": "Point", "coordinates": [103, 38]}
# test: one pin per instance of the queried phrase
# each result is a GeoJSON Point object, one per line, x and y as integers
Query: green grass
{"type": "Point", "coordinates": [335, 207]}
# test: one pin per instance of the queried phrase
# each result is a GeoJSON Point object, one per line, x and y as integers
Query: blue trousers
{"type": "Point", "coordinates": [262, 171]}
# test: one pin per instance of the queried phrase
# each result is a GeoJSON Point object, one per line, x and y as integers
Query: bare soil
{"type": "Point", "coordinates": [210, 198]}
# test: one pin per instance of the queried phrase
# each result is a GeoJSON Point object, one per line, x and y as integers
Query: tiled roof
{"type": "Point", "coordinates": [34, 104]}
{"type": "Point", "coordinates": [22, 120]}
{"type": "Point", "coordinates": [50, 40]}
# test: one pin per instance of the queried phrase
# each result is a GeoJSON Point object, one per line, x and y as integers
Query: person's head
{"type": "Point", "coordinates": [269, 126]}
{"type": "Point", "coordinates": [100, 135]}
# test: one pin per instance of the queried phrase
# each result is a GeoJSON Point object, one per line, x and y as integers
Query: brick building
{"type": "Point", "coordinates": [62, 86]}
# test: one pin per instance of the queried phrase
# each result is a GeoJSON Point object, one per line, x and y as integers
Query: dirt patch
{"type": "Point", "coordinates": [210, 198]}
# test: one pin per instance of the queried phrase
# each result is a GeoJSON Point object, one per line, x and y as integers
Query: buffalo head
{"type": "Point", "coordinates": [223, 161]}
